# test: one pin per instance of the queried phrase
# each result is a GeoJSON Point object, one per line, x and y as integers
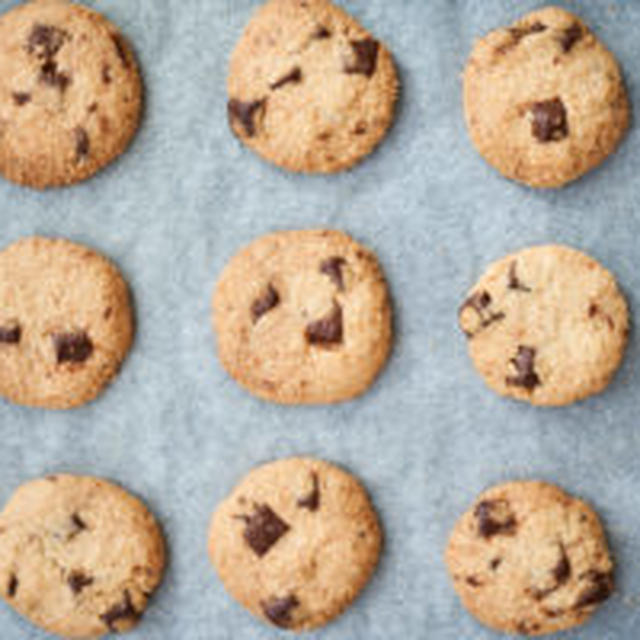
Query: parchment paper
{"type": "Point", "coordinates": [175, 430]}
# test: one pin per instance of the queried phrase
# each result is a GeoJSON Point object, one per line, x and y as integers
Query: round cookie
{"type": "Point", "coordinates": [544, 99]}
{"type": "Point", "coordinates": [70, 93]}
{"type": "Point", "coordinates": [547, 324]}
{"type": "Point", "coordinates": [295, 542]}
{"type": "Point", "coordinates": [527, 558]}
{"type": "Point", "coordinates": [65, 323]}
{"type": "Point", "coordinates": [79, 556]}
{"type": "Point", "coordinates": [303, 317]}
{"type": "Point", "coordinates": [309, 88]}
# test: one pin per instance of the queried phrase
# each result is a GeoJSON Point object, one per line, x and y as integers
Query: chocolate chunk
{"type": "Point", "coordinates": [514, 282]}
{"type": "Point", "coordinates": [593, 310]}
{"type": "Point", "coordinates": [78, 580]}
{"type": "Point", "coordinates": [46, 40]}
{"type": "Point", "coordinates": [12, 587]}
{"type": "Point", "coordinates": [10, 335]}
{"type": "Point", "coordinates": [366, 57]}
{"type": "Point", "coordinates": [278, 610]}
{"type": "Point", "coordinates": [122, 611]}
{"type": "Point", "coordinates": [472, 581]}
{"type": "Point", "coordinates": [82, 143]}
{"type": "Point", "coordinates": [560, 573]}
{"type": "Point", "coordinates": [312, 500]}
{"type": "Point", "coordinates": [295, 76]}
{"type": "Point", "coordinates": [121, 49]}
{"type": "Point", "coordinates": [332, 267]}
{"type": "Point", "coordinates": [21, 98]}
{"type": "Point", "coordinates": [263, 529]}
{"type": "Point", "coordinates": [599, 590]}
{"type": "Point", "coordinates": [518, 33]}
{"type": "Point", "coordinates": [72, 347]}
{"type": "Point", "coordinates": [527, 628]}
{"type": "Point", "coordinates": [361, 128]}
{"type": "Point", "coordinates": [106, 74]}
{"type": "Point", "coordinates": [494, 518]}
{"type": "Point", "coordinates": [480, 302]}
{"type": "Point", "coordinates": [78, 522]}
{"type": "Point", "coordinates": [495, 563]}
{"type": "Point", "coordinates": [327, 330]}
{"type": "Point", "coordinates": [244, 112]}
{"type": "Point", "coordinates": [524, 363]}
{"type": "Point", "coordinates": [263, 305]}
{"type": "Point", "coordinates": [321, 33]}
{"type": "Point", "coordinates": [549, 120]}
{"type": "Point", "coordinates": [570, 36]}
{"type": "Point", "coordinates": [50, 75]}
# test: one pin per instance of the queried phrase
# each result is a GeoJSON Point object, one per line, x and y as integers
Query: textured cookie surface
{"type": "Point", "coordinates": [79, 556]}
{"type": "Point", "coordinates": [65, 323]}
{"type": "Point", "coordinates": [527, 558]}
{"type": "Point", "coordinates": [547, 324]}
{"type": "Point", "coordinates": [295, 542]}
{"type": "Point", "coordinates": [544, 99]}
{"type": "Point", "coordinates": [303, 317]}
{"type": "Point", "coordinates": [70, 93]}
{"type": "Point", "coordinates": [309, 89]}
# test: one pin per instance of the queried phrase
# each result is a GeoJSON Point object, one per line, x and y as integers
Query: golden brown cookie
{"type": "Point", "coordinates": [529, 559]}
{"type": "Point", "coordinates": [295, 542]}
{"type": "Point", "coordinates": [65, 323]}
{"type": "Point", "coordinates": [548, 325]}
{"type": "Point", "coordinates": [70, 93]}
{"type": "Point", "coordinates": [303, 317]}
{"type": "Point", "coordinates": [79, 556]}
{"type": "Point", "coordinates": [544, 99]}
{"type": "Point", "coordinates": [309, 88]}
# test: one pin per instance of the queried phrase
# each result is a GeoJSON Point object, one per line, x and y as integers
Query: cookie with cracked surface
{"type": "Point", "coordinates": [544, 99]}
{"type": "Point", "coordinates": [79, 556]}
{"type": "Point", "coordinates": [527, 558]}
{"type": "Point", "coordinates": [303, 317]}
{"type": "Point", "coordinates": [309, 88]}
{"type": "Point", "coordinates": [548, 325]}
{"type": "Point", "coordinates": [295, 542]}
{"type": "Point", "coordinates": [70, 93]}
{"type": "Point", "coordinates": [65, 323]}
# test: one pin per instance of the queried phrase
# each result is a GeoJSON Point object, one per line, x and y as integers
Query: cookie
{"type": "Point", "coordinates": [544, 99]}
{"type": "Point", "coordinates": [527, 558]}
{"type": "Point", "coordinates": [547, 325]}
{"type": "Point", "coordinates": [79, 556]}
{"type": "Point", "coordinates": [303, 317]}
{"type": "Point", "coordinates": [295, 542]}
{"type": "Point", "coordinates": [70, 93]}
{"type": "Point", "coordinates": [65, 323]}
{"type": "Point", "coordinates": [310, 90]}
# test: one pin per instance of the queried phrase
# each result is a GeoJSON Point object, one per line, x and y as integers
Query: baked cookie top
{"type": "Point", "coordinates": [65, 323]}
{"type": "Point", "coordinates": [547, 324]}
{"type": "Point", "coordinates": [70, 93]}
{"type": "Point", "coordinates": [544, 99]}
{"type": "Point", "coordinates": [295, 542]}
{"type": "Point", "coordinates": [303, 317]}
{"type": "Point", "coordinates": [527, 558]}
{"type": "Point", "coordinates": [309, 88]}
{"type": "Point", "coordinates": [79, 556]}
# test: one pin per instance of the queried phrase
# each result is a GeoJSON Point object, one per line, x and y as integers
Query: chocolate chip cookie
{"type": "Point", "coordinates": [65, 323]}
{"type": "Point", "coordinates": [547, 325]}
{"type": "Point", "coordinates": [79, 556]}
{"type": "Point", "coordinates": [70, 93]}
{"type": "Point", "coordinates": [544, 99]}
{"type": "Point", "coordinates": [309, 88]}
{"type": "Point", "coordinates": [303, 317]}
{"type": "Point", "coordinates": [527, 558]}
{"type": "Point", "coordinates": [295, 542]}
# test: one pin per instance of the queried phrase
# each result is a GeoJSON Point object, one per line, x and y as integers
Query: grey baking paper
{"type": "Point", "coordinates": [176, 431]}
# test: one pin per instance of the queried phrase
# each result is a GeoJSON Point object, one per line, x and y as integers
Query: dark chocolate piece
{"type": "Point", "coordinates": [122, 611]}
{"type": "Point", "coordinates": [494, 518]}
{"type": "Point", "coordinates": [263, 529]}
{"type": "Point", "coordinates": [549, 120]}
{"type": "Point", "coordinates": [245, 113]}
{"type": "Point", "coordinates": [263, 305]}
{"type": "Point", "coordinates": [524, 362]}
{"type": "Point", "coordinates": [10, 335]}
{"type": "Point", "coordinates": [327, 330]}
{"type": "Point", "coordinates": [121, 49]}
{"type": "Point", "coordinates": [321, 33]}
{"type": "Point", "coordinates": [332, 267]}
{"type": "Point", "coordinates": [312, 500]}
{"type": "Point", "coordinates": [78, 580]}
{"type": "Point", "coordinates": [82, 143]}
{"type": "Point", "coordinates": [46, 40]}
{"type": "Point", "coordinates": [598, 591]}
{"type": "Point", "coordinates": [570, 37]}
{"type": "Point", "coordinates": [514, 282]}
{"type": "Point", "coordinates": [12, 587]}
{"type": "Point", "coordinates": [278, 610]}
{"type": "Point", "coordinates": [366, 57]}
{"type": "Point", "coordinates": [72, 347]}
{"type": "Point", "coordinates": [480, 302]}
{"type": "Point", "coordinates": [21, 98]}
{"type": "Point", "coordinates": [294, 76]}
